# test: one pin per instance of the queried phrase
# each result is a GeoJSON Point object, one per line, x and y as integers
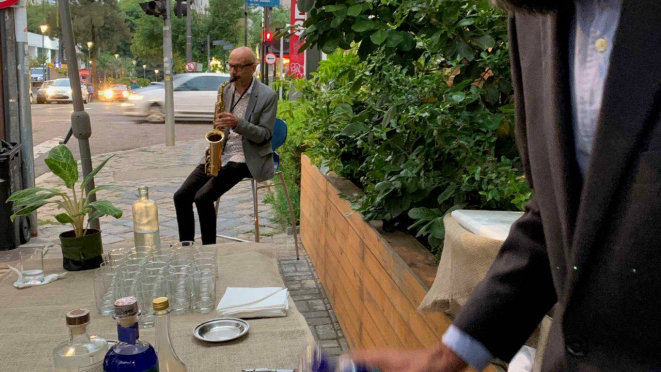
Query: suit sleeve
{"type": "Point", "coordinates": [262, 131]}
{"type": "Point", "coordinates": [518, 290]}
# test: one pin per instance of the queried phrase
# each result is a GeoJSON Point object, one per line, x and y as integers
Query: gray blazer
{"type": "Point", "coordinates": [256, 127]}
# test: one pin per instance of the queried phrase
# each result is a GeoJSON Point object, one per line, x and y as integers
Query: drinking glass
{"type": "Point", "coordinates": [117, 256]}
{"type": "Point", "coordinates": [180, 291]}
{"type": "Point", "coordinates": [204, 296]}
{"type": "Point", "coordinates": [32, 265]}
{"type": "Point", "coordinates": [104, 291]}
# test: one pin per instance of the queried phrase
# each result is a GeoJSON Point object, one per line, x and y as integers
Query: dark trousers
{"type": "Point", "coordinates": [204, 191]}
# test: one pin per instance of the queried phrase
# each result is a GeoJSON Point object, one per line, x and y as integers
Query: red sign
{"type": "Point", "coordinates": [296, 59]}
{"type": "Point", "coordinates": [7, 3]}
{"type": "Point", "coordinates": [190, 67]}
{"type": "Point", "coordinates": [270, 59]}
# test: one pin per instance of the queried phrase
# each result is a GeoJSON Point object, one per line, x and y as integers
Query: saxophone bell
{"type": "Point", "coordinates": [215, 139]}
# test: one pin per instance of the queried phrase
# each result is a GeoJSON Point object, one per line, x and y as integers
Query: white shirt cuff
{"type": "Point", "coordinates": [469, 349]}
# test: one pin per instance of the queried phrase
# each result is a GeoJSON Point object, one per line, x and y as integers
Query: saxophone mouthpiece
{"type": "Point", "coordinates": [233, 79]}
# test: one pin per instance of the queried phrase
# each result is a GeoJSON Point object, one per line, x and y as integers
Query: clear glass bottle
{"type": "Point", "coordinates": [130, 354]}
{"type": "Point", "coordinates": [145, 220]}
{"type": "Point", "coordinates": [168, 361]}
{"type": "Point", "coordinates": [82, 353]}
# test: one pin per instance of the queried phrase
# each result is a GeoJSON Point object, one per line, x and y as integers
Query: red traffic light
{"type": "Point", "coordinates": [268, 36]}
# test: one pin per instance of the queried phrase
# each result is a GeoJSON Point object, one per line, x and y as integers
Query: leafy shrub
{"type": "Point", "coordinates": [418, 110]}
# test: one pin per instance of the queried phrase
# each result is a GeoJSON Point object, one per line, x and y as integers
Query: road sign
{"type": "Point", "coordinates": [7, 3]}
{"type": "Point", "coordinates": [264, 3]}
{"type": "Point", "coordinates": [190, 67]}
{"type": "Point", "coordinates": [58, 64]}
{"type": "Point", "coordinates": [228, 47]}
{"type": "Point", "coordinates": [219, 42]}
{"type": "Point", "coordinates": [270, 59]}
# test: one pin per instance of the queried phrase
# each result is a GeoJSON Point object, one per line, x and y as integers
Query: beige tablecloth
{"type": "Point", "coordinates": [32, 319]}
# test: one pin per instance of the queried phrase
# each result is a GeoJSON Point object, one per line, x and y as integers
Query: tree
{"type": "Point", "coordinates": [98, 21]}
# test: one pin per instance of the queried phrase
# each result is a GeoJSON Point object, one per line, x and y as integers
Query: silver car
{"type": "Point", "coordinates": [194, 98]}
{"type": "Point", "coordinates": [60, 91]}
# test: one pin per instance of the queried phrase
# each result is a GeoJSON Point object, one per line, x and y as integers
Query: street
{"type": "Point", "coordinates": [111, 131]}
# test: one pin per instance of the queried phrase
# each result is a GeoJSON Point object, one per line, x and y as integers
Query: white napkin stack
{"type": "Point", "coordinates": [266, 302]}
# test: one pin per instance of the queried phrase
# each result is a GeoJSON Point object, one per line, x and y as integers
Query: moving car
{"type": "Point", "coordinates": [195, 97]}
{"type": "Point", "coordinates": [41, 92]}
{"type": "Point", "coordinates": [116, 92]}
{"type": "Point", "coordinates": [60, 91]}
{"type": "Point", "coordinates": [37, 74]}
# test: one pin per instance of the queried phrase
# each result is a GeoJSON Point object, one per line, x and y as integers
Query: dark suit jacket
{"type": "Point", "coordinates": [593, 245]}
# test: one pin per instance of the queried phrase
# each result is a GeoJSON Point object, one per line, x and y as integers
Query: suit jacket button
{"type": "Point", "coordinates": [575, 347]}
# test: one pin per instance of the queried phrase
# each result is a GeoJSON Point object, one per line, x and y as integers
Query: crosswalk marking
{"type": "Point", "coordinates": [45, 147]}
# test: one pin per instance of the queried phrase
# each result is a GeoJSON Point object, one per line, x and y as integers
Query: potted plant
{"type": "Point", "coordinates": [81, 247]}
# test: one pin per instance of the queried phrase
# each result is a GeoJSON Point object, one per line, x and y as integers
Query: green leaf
{"type": "Point", "coordinates": [354, 128]}
{"type": "Point", "coordinates": [330, 45]}
{"type": "Point", "coordinates": [26, 193]}
{"type": "Point", "coordinates": [106, 208]}
{"type": "Point", "coordinates": [465, 51]}
{"type": "Point", "coordinates": [457, 97]}
{"type": "Point", "coordinates": [384, 185]}
{"type": "Point", "coordinates": [379, 36]}
{"type": "Point", "coordinates": [305, 5]}
{"type": "Point", "coordinates": [363, 24]}
{"type": "Point", "coordinates": [407, 42]}
{"type": "Point", "coordinates": [63, 218]}
{"type": "Point", "coordinates": [93, 173]}
{"type": "Point", "coordinates": [344, 108]}
{"type": "Point", "coordinates": [61, 162]}
{"type": "Point", "coordinates": [437, 229]}
{"type": "Point", "coordinates": [445, 195]}
{"type": "Point", "coordinates": [277, 24]}
{"type": "Point", "coordinates": [337, 21]}
{"type": "Point", "coordinates": [484, 41]}
{"type": "Point", "coordinates": [334, 8]}
{"type": "Point", "coordinates": [424, 213]}
{"type": "Point", "coordinates": [390, 114]}
{"type": "Point", "coordinates": [27, 210]}
{"type": "Point", "coordinates": [95, 215]}
{"type": "Point", "coordinates": [394, 38]}
{"type": "Point", "coordinates": [466, 22]}
{"type": "Point", "coordinates": [355, 10]}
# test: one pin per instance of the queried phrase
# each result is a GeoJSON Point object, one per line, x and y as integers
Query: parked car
{"type": "Point", "coordinates": [195, 97]}
{"type": "Point", "coordinates": [116, 92]}
{"type": "Point", "coordinates": [41, 92]}
{"type": "Point", "coordinates": [37, 74]}
{"type": "Point", "coordinates": [60, 91]}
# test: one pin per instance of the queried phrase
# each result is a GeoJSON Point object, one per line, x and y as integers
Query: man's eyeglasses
{"type": "Point", "coordinates": [239, 67]}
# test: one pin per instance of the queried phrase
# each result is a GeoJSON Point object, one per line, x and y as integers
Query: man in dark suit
{"type": "Point", "coordinates": [587, 84]}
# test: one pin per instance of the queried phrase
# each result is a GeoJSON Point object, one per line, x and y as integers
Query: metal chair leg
{"type": "Point", "coordinates": [255, 199]}
{"type": "Point", "coordinates": [291, 212]}
{"type": "Point", "coordinates": [217, 206]}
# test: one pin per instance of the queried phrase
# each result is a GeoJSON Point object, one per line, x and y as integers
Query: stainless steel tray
{"type": "Point", "coordinates": [221, 330]}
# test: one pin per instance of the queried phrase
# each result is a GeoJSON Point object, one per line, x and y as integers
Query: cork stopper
{"type": "Point", "coordinates": [161, 303]}
{"type": "Point", "coordinates": [78, 317]}
{"type": "Point", "coordinates": [127, 306]}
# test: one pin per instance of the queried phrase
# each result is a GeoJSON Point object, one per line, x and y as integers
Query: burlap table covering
{"type": "Point", "coordinates": [32, 319]}
{"type": "Point", "coordinates": [465, 260]}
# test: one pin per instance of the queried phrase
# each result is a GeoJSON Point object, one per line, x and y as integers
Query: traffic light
{"type": "Point", "coordinates": [180, 9]}
{"type": "Point", "coordinates": [154, 8]}
{"type": "Point", "coordinates": [267, 38]}
{"type": "Point", "coordinates": [275, 45]}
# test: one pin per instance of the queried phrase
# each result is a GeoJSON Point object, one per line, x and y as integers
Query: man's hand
{"type": "Point", "coordinates": [439, 359]}
{"type": "Point", "coordinates": [225, 120]}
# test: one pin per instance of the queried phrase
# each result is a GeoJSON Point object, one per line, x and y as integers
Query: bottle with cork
{"type": "Point", "coordinates": [81, 352]}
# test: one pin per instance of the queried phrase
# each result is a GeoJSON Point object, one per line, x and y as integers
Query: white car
{"type": "Point", "coordinates": [60, 91]}
{"type": "Point", "coordinates": [194, 98]}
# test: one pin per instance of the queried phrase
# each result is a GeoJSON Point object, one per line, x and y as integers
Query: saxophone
{"type": "Point", "coordinates": [215, 138]}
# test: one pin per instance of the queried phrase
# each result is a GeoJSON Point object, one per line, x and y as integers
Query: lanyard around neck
{"type": "Point", "coordinates": [232, 104]}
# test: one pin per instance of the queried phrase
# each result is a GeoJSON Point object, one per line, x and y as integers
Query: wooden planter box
{"type": "Point", "coordinates": [374, 280]}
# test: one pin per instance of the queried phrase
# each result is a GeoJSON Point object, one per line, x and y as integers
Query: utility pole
{"type": "Point", "coordinates": [25, 112]}
{"type": "Point", "coordinates": [189, 34]}
{"type": "Point", "coordinates": [264, 67]}
{"type": "Point", "coordinates": [208, 53]}
{"type": "Point", "coordinates": [245, 24]}
{"type": "Point", "coordinates": [282, 46]}
{"type": "Point", "coordinates": [80, 120]}
{"type": "Point", "coordinates": [167, 74]}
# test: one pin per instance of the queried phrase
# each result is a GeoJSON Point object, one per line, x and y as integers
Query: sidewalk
{"type": "Point", "coordinates": [163, 169]}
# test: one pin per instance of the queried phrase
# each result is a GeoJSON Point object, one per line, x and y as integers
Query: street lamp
{"type": "Point", "coordinates": [44, 29]}
{"type": "Point", "coordinates": [156, 72]}
{"type": "Point", "coordinates": [144, 71]}
{"type": "Point", "coordinates": [89, 51]}
{"type": "Point", "coordinates": [116, 55]}
{"type": "Point", "coordinates": [134, 64]}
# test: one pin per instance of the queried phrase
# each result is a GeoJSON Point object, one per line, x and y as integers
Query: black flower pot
{"type": "Point", "coordinates": [81, 253]}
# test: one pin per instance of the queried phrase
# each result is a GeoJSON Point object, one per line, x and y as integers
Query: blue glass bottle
{"type": "Point", "coordinates": [130, 354]}
{"type": "Point", "coordinates": [315, 360]}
